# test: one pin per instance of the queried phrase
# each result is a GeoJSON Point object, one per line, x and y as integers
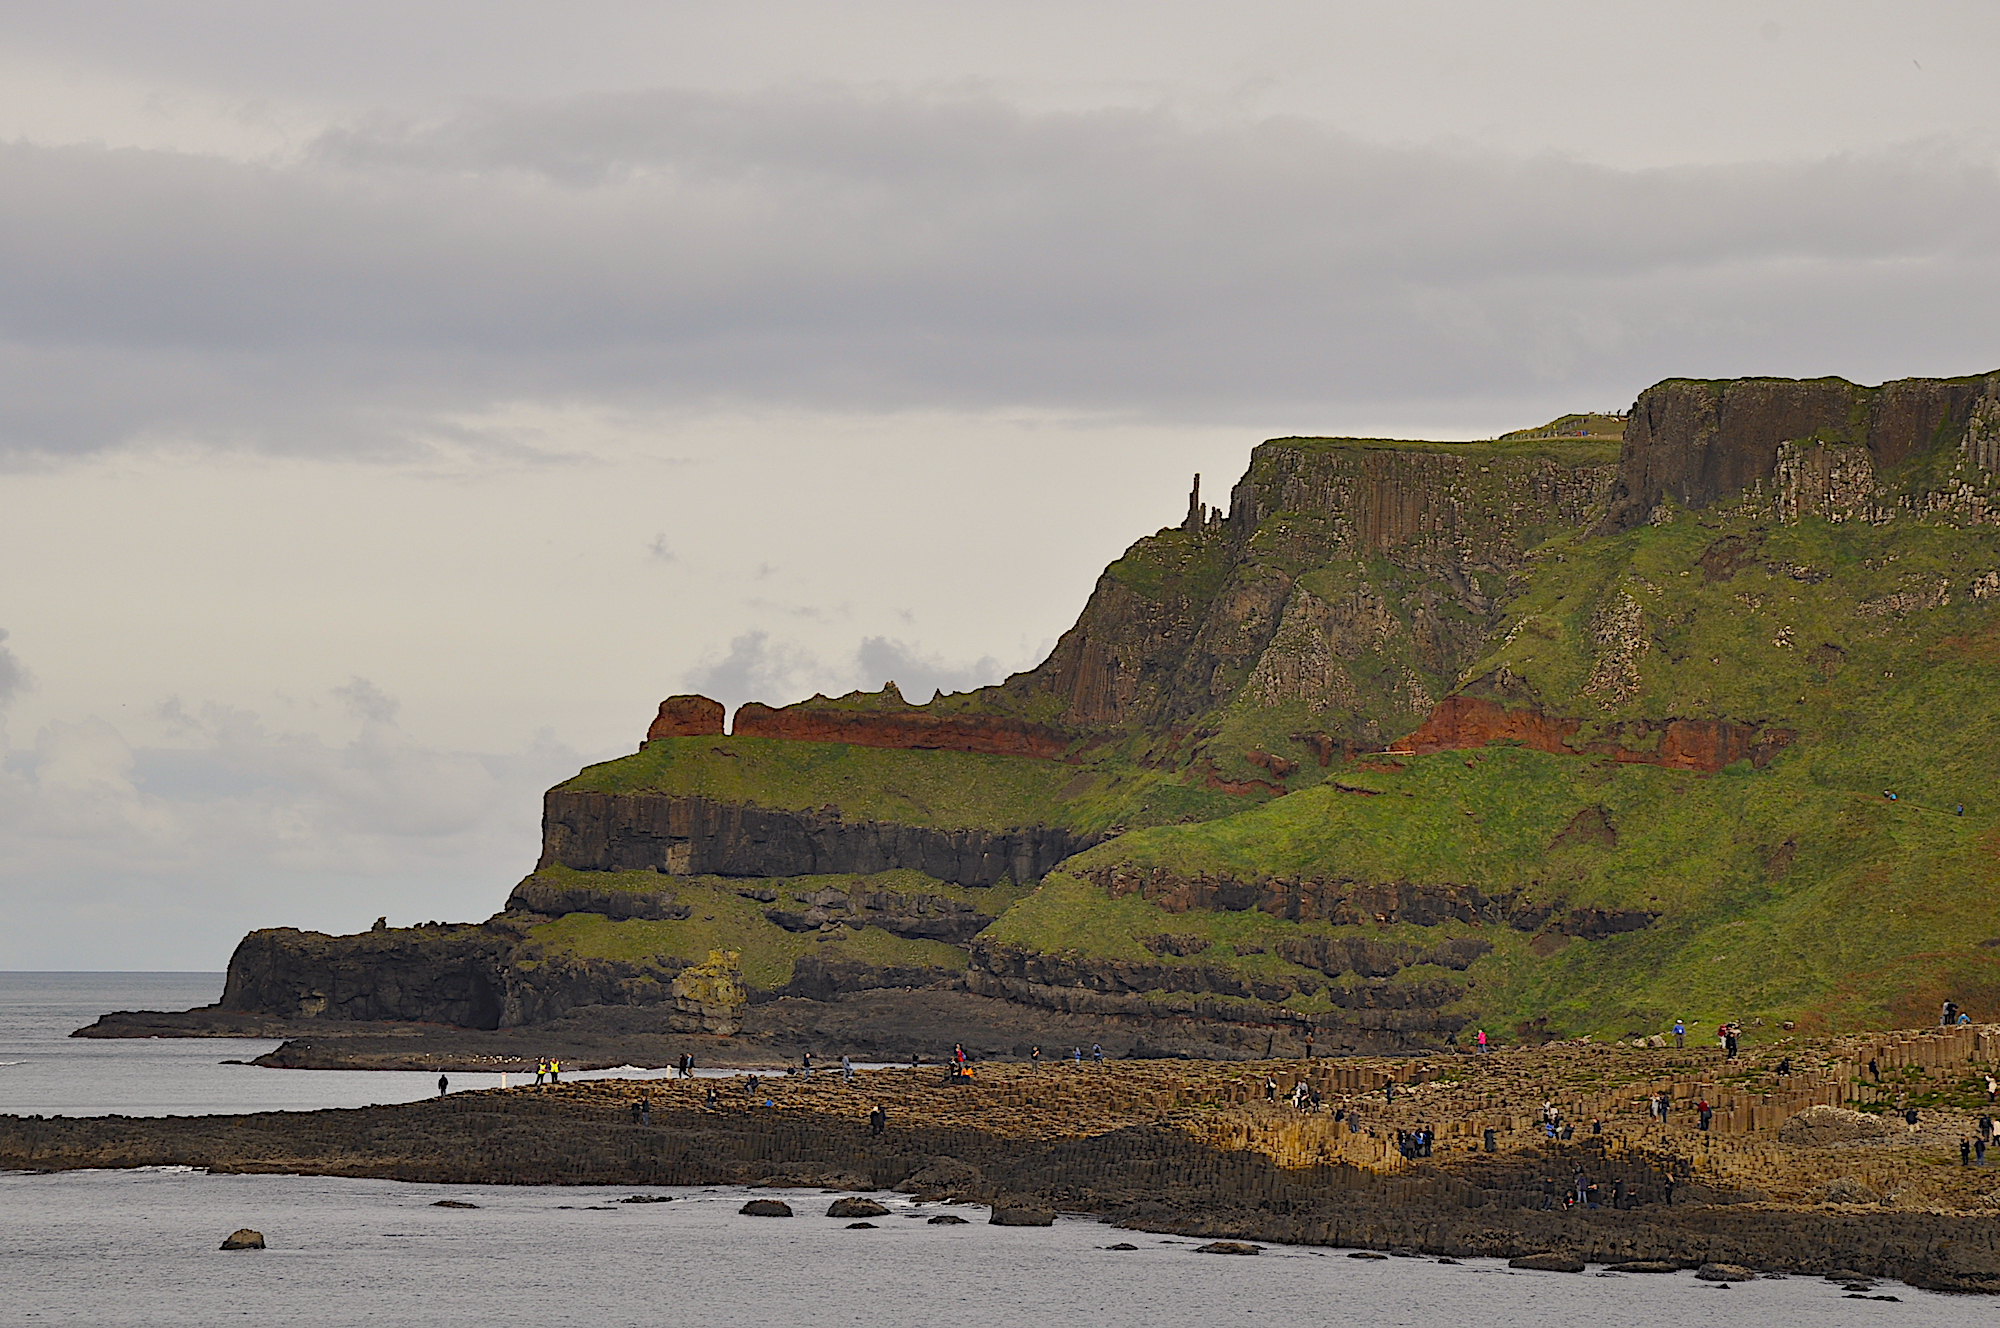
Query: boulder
{"type": "Point", "coordinates": [1122, 1245]}
{"type": "Point", "coordinates": [1229, 1247]}
{"type": "Point", "coordinates": [1367, 1254]}
{"type": "Point", "coordinates": [1547, 1263]}
{"type": "Point", "coordinates": [453, 1203]}
{"type": "Point", "coordinates": [1645, 1266]}
{"type": "Point", "coordinates": [766, 1208]}
{"type": "Point", "coordinates": [243, 1238]}
{"type": "Point", "coordinates": [1022, 1217]}
{"type": "Point", "coordinates": [947, 1220]}
{"type": "Point", "coordinates": [1724, 1272]}
{"type": "Point", "coordinates": [861, 1226]}
{"type": "Point", "coordinates": [852, 1207]}
{"type": "Point", "coordinates": [1817, 1127]}
{"type": "Point", "coordinates": [647, 1198]}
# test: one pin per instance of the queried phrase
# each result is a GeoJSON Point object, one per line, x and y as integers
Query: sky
{"type": "Point", "coordinates": [398, 401]}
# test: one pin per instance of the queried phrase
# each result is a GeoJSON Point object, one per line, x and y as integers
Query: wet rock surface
{"type": "Point", "coordinates": [766, 1208]}
{"type": "Point", "coordinates": [1112, 1143]}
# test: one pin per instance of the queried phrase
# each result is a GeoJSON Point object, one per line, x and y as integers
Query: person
{"type": "Point", "coordinates": [1910, 1117]}
{"type": "Point", "coordinates": [1035, 1057]}
{"type": "Point", "coordinates": [1076, 1055]}
{"type": "Point", "coordinates": [1874, 1070]}
{"type": "Point", "coordinates": [1270, 1089]}
{"type": "Point", "coordinates": [1965, 1152]}
{"type": "Point", "coordinates": [1978, 1152]}
{"type": "Point", "coordinates": [555, 1071]}
{"type": "Point", "coordinates": [1389, 1091]}
{"type": "Point", "coordinates": [645, 1111]}
{"type": "Point", "coordinates": [1706, 1112]}
{"type": "Point", "coordinates": [1309, 1044]}
{"type": "Point", "coordinates": [1960, 809]}
{"type": "Point", "coordinates": [806, 1063]}
{"type": "Point", "coordinates": [1986, 1125]}
{"type": "Point", "coordinates": [958, 1056]}
{"type": "Point", "coordinates": [750, 1085]}
{"type": "Point", "coordinates": [1582, 1185]}
{"type": "Point", "coordinates": [541, 1070]}
{"type": "Point", "coordinates": [1992, 1089]}
{"type": "Point", "coordinates": [1666, 1105]}
{"type": "Point", "coordinates": [1964, 1018]}
{"type": "Point", "coordinates": [1097, 1053]}
{"type": "Point", "coordinates": [1480, 1041]}
{"type": "Point", "coordinates": [1731, 1034]}
{"type": "Point", "coordinates": [1785, 1066]}
{"type": "Point", "coordinates": [878, 1120]}
{"type": "Point", "coordinates": [708, 1100]}
{"type": "Point", "coordinates": [1680, 1033]}
{"type": "Point", "coordinates": [846, 1069]}
{"type": "Point", "coordinates": [444, 1085]}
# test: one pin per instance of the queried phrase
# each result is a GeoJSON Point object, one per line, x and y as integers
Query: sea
{"type": "Point", "coordinates": [141, 1246]}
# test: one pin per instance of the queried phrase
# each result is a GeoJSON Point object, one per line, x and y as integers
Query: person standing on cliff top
{"type": "Point", "coordinates": [1035, 1057]}
{"type": "Point", "coordinates": [444, 1085]}
{"type": "Point", "coordinates": [1680, 1034]}
{"type": "Point", "coordinates": [1097, 1053]}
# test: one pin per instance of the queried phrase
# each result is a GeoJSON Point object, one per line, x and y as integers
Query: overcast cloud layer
{"type": "Point", "coordinates": [396, 402]}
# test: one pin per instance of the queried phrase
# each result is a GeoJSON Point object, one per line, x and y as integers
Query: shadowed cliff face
{"type": "Point", "coordinates": [697, 837]}
{"type": "Point", "coordinates": [1352, 579]}
{"type": "Point", "coordinates": [1697, 442]}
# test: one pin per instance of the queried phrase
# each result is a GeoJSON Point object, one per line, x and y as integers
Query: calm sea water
{"type": "Point", "coordinates": [45, 1071]}
{"type": "Point", "coordinates": [139, 1247]}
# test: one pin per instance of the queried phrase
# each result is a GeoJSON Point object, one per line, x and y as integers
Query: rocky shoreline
{"type": "Point", "coordinates": [1175, 1147]}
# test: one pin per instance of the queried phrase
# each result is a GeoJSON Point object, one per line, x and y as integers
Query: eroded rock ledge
{"type": "Point", "coordinates": [913, 729]}
{"type": "Point", "coordinates": [697, 837]}
{"type": "Point", "coordinates": [1462, 722]}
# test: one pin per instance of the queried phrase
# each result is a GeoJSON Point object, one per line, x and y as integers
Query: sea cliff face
{"type": "Point", "coordinates": [592, 831]}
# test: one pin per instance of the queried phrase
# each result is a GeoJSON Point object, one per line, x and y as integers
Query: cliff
{"type": "Point", "coordinates": [911, 729]}
{"type": "Point", "coordinates": [591, 831]}
{"type": "Point", "coordinates": [1698, 442]}
{"type": "Point", "coordinates": [1565, 732]}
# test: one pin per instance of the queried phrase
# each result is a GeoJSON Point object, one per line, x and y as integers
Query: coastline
{"type": "Point", "coordinates": [1156, 1146]}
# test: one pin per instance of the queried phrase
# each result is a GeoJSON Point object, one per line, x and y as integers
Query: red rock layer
{"type": "Point", "coordinates": [1707, 745]}
{"type": "Point", "coordinates": [915, 729]}
{"type": "Point", "coordinates": [687, 717]}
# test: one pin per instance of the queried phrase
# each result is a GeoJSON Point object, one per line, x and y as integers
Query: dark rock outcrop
{"type": "Point", "coordinates": [914, 728]}
{"type": "Point", "coordinates": [243, 1238]}
{"type": "Point", "coordinates": [686, 717]}
{"type": "Point", "coordinates": [817, 978]}
{"type": "Point", "coordinates": [538, 896]}
{"type": "Point", "coordinates": [1698, 442]}
{"type": "Point", "coordinates": [766, 1208]}
{"type": "Point", "coordinates": [853, 1207]}
{"type": "Point", "coordinates": [695, 836]}
{"type": "Point", "coordinates": [470, 977]}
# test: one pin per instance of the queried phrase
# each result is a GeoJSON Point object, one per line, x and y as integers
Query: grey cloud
{"type": "Point", "coordinates": [660, 549]}
{"type": "Point", "coordinates": [756, 668]}
{"type": "Point", "coordinates": [828, 248]}
{"type": "Point", "coordinates": [917, 674]}
{"type": "Point", "coordinates": [13, 677]}
{"type": "Point", "coordinates": [365, 700]}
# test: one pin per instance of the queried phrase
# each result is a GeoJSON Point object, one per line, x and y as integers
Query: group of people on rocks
{"type": "Point", "coordinates": [1413, 1144]}
{"type": "Point", "coordinates": [547, 1070]}
{"type": "Point", "coordinates": [1950, 1016]}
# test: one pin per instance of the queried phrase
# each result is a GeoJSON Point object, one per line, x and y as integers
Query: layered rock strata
{"type": "Point", "coordinates": [914, 729]}
{"type": "Point", "coordinates": [697, 837]}
{"type": "Point", "coordinates": [1707, 745]}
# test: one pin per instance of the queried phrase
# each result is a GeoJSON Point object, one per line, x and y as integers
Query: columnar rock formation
{"type": "Point", "coordinates": [686, 717]}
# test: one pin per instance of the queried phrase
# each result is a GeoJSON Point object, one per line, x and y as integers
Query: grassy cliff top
{"type": "Point", "coordinates": [1589, 424]}
{"type": "Point", "coordinates": [945, 790]}
{"type": "Point", "coordinates": [724, 918]}
{"type": "Point", "coordinates": [1528, 445]}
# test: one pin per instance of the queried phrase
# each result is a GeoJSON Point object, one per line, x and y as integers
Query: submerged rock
{"type": "Point", "coordinates": [855, 1208]}
{"type": "Point", "coordinates": [947, 1220]}
{"type": "Point", "coordinates": [1229, 1247]}
{"type": "Point", "coordinates": [1547, 1263]}
{"type": "Point", "coordinates": [1645, 1266]}
{"type": "Point", "coordinates": [1724, 1272]}
{"type": "Point", "coordinates": [766, 1208]}
{"type": "Point", "coordinates": [453, 1203]}
{"type": "Point", "coordinates": [1022, 1217]}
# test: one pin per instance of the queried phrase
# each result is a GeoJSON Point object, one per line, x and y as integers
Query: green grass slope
{"type": "Point", "coordinates": [947, 790]}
